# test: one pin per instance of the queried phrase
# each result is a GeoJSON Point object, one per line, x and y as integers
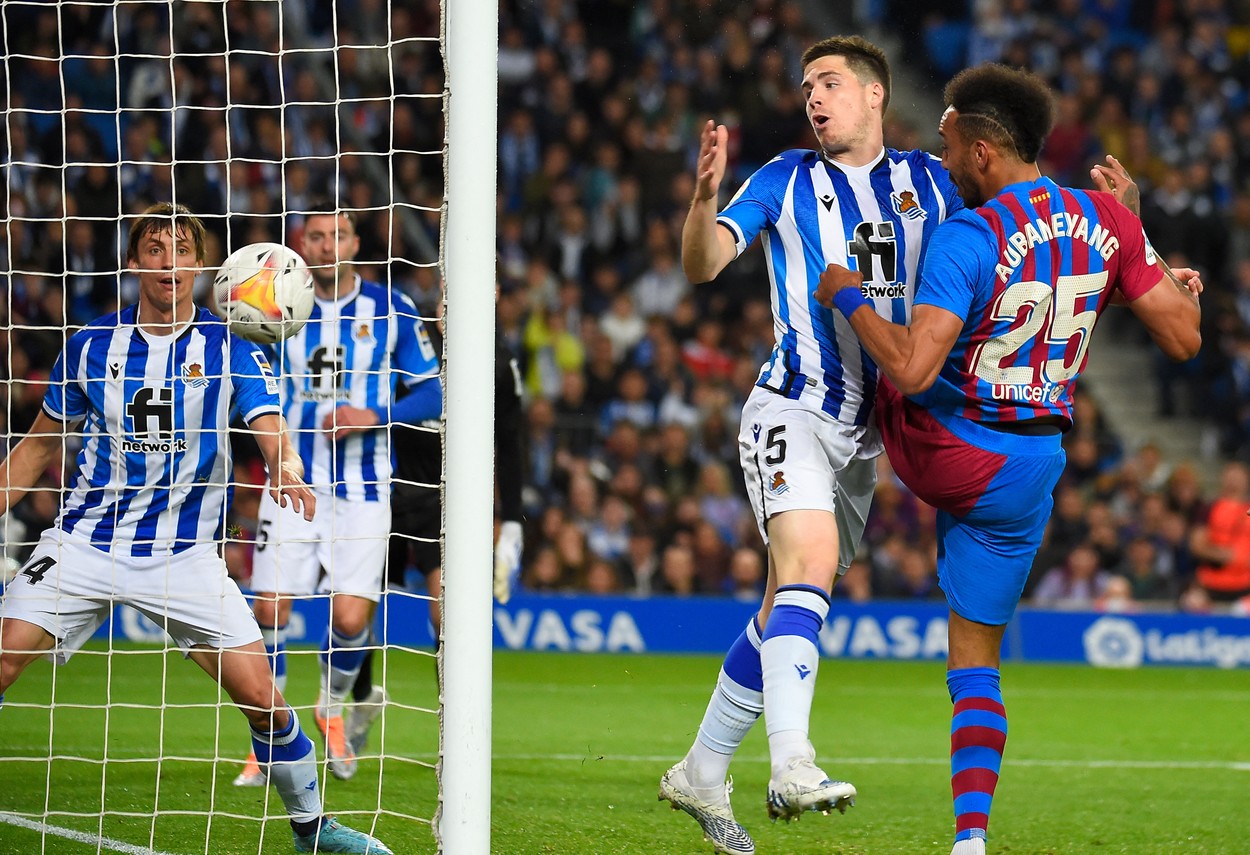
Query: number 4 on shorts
{"type": "Point", "coordinates": [35, 571]}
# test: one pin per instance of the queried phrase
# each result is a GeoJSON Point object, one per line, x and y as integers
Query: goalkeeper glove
{"type": "Point", "coordinates": [508, 559]}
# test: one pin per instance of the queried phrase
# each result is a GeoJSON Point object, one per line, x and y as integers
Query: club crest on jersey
{"type": "Point", "coordinates": [905, 205]}
{"type": "Point", "coordinates": [777, 484]}
{"type": "Point", "coordinates": [362, 331]}
{"type": "Point", "coordinates": [193, 375]}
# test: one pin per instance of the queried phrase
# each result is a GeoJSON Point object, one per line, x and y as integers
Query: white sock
{"type": "Point", "coordinates": [790, 661]}
{"type": "Point", "coordinates": [972, 846]}
{"type": "Point", "coordinates": [730, 714]}
{"type": "Point", "coordinates": [291, 761]}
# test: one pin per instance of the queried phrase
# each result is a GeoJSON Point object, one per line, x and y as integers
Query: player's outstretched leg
{"type": "Point", "coordinates": [697, 784]}
{"type": "Point", "coordinates": [333, 836]}
{"type": "Point", "coordinates": [274, 639]}
{"type": "Point", "coordinates": [790, 658]}
{"type": "Point", "coordinates": [978, 736]}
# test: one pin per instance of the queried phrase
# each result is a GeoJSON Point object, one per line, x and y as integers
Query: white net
{"type": "Point", "coordinates": [252, 115]}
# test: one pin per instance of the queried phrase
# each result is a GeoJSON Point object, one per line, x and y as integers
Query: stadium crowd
{"type": "Point", "coordinates": [634, 377]}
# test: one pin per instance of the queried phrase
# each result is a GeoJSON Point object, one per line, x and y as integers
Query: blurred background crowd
{"type": "Point", "coordinates": [634, 377]}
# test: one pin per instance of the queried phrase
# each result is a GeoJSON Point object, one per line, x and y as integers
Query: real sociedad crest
{"type": "Point", "coordinates": [905, 205]}
{"type": "Point", "coordinates": [193, 375]}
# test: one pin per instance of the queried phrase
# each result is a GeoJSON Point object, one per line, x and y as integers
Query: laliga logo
{"type": "Point", "coordinates": [1113, 643]}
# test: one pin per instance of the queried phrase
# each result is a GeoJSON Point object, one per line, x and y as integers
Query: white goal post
{"type": "Point", "coordinates": [471, 51]}
{"type": "Point", "coordinates": [167, 97]}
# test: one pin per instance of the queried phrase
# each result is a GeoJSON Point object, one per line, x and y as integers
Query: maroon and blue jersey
{"type": "Point", "coordinates": [1030, 271]}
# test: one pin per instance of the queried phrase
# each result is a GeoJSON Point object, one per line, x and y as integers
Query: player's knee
{"type": "Point", "coordinates": [261, 704]}
{"type": "Point", "coordinates": [7, 674]}
{"type": "Point", "coordinates": [350, 626]}
{"type": "Point", "coordinates": [265, 609]}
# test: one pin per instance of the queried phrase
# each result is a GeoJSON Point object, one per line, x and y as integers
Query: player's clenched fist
{"type": "Point", "coordinates": [836, 278]}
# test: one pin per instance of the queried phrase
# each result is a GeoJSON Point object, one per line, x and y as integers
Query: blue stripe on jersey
{"type": "Point", "coordinates": [146, 530]}
{"type": "Point", "coordinates": [882, 182]}
{"type": "Point", "coordinates": [339, 450]}
{"type": "Point", "coordinates": [96, 446]}
{"type": "Point", "coordinates": [134, 370]}
{"type": "Point", "coordinates": [787, 384]}
{"type": "Point", "coordinates": [189, 517]}
{"type": "Point", "coordinates": [373, 394]}
{"type": "Point", "coordinates": [870, 372]}
{"type": "Point", "coordinates": [305, 414]}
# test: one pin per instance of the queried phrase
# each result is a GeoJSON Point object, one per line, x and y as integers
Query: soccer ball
{"type": "Point", "coordinates": [264, 292]}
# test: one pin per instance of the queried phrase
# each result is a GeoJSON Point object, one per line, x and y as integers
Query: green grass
{"type": "Point", "coordinates": [1141, 762]}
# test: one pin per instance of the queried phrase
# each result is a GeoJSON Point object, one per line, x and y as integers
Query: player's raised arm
{"type": "Point", "coordinates": [28, 460]}
{"type": "Point", "coordinates": [706, 247]}
{"type": "Point", "coordinates": [286, 470]}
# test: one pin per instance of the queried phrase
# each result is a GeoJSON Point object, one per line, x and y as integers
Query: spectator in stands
{"type": "Point", "coordinates": [1076, 583]}
{"type": "Point", "coordinates": [1221, 544]}
{"type": "Point", "coordinates": [746, 575]}
{"type": "Point", "coordinates": [1116, 596]}
{"type": "Point", "coordinates": [1141, 569]}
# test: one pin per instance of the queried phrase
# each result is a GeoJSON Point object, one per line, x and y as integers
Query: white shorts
{"type": "Point", "coordinates": [794, 458]}
{"type": "Point", "coordinates": [69, 587]}
{"type": "Point", "coordinates": [346, 538]}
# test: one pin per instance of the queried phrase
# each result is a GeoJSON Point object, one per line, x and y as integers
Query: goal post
{"type": "Point", "coordinates": [247, 112]}
{"type": "Point", "coordinates": [471, 49]}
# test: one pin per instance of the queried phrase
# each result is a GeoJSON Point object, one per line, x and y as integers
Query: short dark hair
{"type": "Point", "coordinates": [865, 59]}
{"type": "Point", "coordinates": [167, 215]}
{"type": "Point", "coordinates": [323, 206]}
{"type": "Point", "coordinates": [1009, 107]}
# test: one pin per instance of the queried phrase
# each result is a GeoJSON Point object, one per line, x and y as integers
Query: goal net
{"type": "Point", "coordinates": [245, 112]}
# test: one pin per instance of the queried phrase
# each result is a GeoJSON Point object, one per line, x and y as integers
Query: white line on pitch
{"type": "Point", "coordinates": [79, 836]}
{"type": "Point", "coordinates": [1231, 766]}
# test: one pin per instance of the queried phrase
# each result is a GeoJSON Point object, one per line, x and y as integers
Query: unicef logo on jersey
{"type": "Point", "coordinates": [1114, 643]}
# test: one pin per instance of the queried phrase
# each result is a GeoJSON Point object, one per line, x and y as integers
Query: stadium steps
{"type": "Point", "coordinates": [1120, 375]}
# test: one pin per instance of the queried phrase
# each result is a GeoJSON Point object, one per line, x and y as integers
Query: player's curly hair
{"type": "Point", "coordinates": [160, 218]}
{"type": "Point", "coordinates": [867, 61]}
{"type": "Point", "coordinates": [1012, 108]}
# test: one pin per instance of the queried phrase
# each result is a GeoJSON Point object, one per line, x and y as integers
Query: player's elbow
{"type": "Point", "coordinates": [912, 382]}
{"type": "Point", "coordinates": [700, 270]}
{"type": "Point", "coordinates": [1185, 347]}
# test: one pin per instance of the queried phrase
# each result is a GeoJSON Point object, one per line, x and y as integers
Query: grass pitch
{"type": "Point", "coordinates": [1141, 762]}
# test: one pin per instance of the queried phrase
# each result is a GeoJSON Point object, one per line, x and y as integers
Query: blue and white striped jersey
{"type": "Point", "coordinates": [153, 470]}
{"type": "Point", "coordinates": [811, 212]}
{"type": "Point", "coordinates": [352, 351]}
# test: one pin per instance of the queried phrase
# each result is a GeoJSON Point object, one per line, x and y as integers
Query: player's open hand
{"type": "Point", "coordinates": [834, 279]}
{"type": "Point", "coordinates": [713, 154]}
{"type": "Point", "coordinates": [1113, 178]}
{"type": "Point", "coordinates": [1189, 279]}
{"type": "Point", "coordinates": [344, 421]}
{"type": "Point", "coordinates": [287, 485]}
